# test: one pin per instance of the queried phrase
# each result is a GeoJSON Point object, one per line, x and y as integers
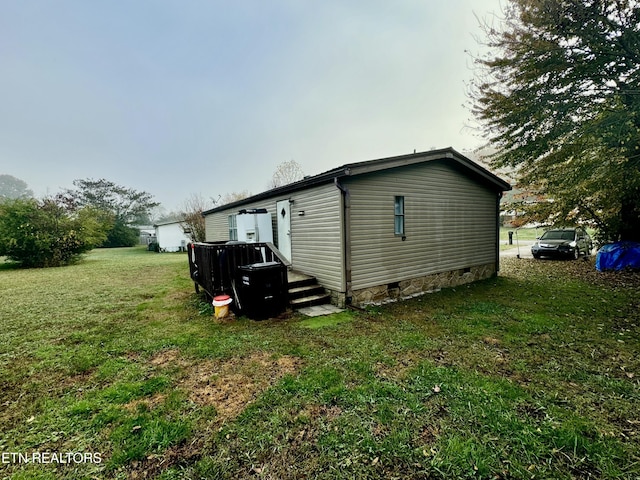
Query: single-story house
{"type": "Point", "coordinates": [383, 229]}
{"type": "Point", "coordinates": [171, 236]}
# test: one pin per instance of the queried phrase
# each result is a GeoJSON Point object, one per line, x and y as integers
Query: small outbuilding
{"type": "Point", "coordinates": [171, 236]}
{"type": "Point", "coordinates": [147, 234]}
{"type": "Point", "coordinates": [383, 229]}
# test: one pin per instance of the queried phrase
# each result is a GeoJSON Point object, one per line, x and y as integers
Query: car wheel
{"type": "Point", "coordinates": [576, 253]}
{"type": "Point", "coordinates": [536, 255]}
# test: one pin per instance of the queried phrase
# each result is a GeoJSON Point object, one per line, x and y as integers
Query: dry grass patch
{"type": "Point", "coordinates": [166, 358]}
{"type": "Point", "coordinates": [149, 402]}
{"type": "Point", "coordinates": [230, 385]}
{"type": "Point", "coordinates": [398, 369]}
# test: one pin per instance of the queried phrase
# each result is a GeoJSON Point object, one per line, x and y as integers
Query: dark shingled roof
{"type": "Point", "coordinates": [458, 160]}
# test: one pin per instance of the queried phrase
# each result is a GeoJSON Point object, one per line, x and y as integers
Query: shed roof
{"type": "Point", "coordinates": [458, 160]}
{"type": "Point", "coordinates": [168, 222]}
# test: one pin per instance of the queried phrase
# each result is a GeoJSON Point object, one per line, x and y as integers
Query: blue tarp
{"type": "Point", "coordinates": [618, 256]}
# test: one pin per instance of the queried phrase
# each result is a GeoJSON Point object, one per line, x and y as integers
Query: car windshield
{"type": "Point", "coordinates": [558, 235]}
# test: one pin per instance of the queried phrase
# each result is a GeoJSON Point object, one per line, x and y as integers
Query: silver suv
{"type": "Point", "coordinates": [563, 242]}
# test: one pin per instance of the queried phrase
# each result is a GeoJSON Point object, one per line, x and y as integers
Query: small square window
{"type": "Point", "coordinates": [399, 215]}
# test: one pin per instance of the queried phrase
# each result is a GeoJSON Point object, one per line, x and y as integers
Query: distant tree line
{"type": "Point", "coordinates": [12, 188]}
{"type": "Point", "coordinates": [121, 208]}
{"type": "Point", "coordinates": [57, 230]}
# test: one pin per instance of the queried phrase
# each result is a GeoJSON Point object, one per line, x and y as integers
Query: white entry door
{"type": "Point", "coordinates": [283, 209]}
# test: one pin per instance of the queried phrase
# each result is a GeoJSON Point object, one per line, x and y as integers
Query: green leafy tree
{"type": "Point", "coordinates": [12, 187]}
{"type": "Point", "coordinates": [126, 207]}
{"type": "Point", "coordinates": [121, 235]}
{"type": "Point", "coordinates": [559, 98]}
{"type": "Point", "coordinates": [42, 233]}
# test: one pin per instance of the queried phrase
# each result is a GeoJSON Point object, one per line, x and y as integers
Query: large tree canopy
{"type": "Point", "coordinates": [127, 205]}
{"type": "Point", "coordinates": [121, 206]}
{"type": "Point", "coordinates": [12, 187]}
{"type": "Point", "coordinates": [559, 97]}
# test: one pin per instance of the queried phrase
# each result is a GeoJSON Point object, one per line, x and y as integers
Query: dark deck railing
{"type": "Point", "coordinates": [213, 266]}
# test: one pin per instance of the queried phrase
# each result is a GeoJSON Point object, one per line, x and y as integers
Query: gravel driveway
{"type": "Point", "coordinates": [523, 247]}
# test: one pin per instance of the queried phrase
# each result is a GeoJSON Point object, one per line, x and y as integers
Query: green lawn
{"type": "Point", "coordinates": [519, 235]}
{"type": "Point", "coordinates": [533, 374]}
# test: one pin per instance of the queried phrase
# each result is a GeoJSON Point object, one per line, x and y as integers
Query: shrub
{"type": "Point", "coordinates": [121, 235]}
{"type": "Point", "coordinates": [40, 233]}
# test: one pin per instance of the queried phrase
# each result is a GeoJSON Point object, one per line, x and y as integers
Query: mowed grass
{"type": "Point", "coordinates": [528, 233]}
{"type": "Point", "coordinates": [533, 374]}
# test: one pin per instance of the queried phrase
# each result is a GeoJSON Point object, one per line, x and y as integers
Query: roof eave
{"type": "Point", "coordinates": [414, 158]}
{"type": "Point", "coordinates": [283, 190]}
{"type": "Point", "coordinates": [370, 166]}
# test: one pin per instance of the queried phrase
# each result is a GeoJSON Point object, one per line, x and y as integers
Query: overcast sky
{"type": "Point", "coordinates": [208, 97]}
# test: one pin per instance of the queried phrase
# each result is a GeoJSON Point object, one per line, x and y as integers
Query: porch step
{"type": "Point", "coordinates": [310, 301]}
{"type": "Point", "coordinates": [304, 291]}
{"type": "Point", "coordinates": [297, 279]}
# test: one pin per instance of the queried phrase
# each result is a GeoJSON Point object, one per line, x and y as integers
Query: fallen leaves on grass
{"type": "Point", "coordinates": [583, 269]}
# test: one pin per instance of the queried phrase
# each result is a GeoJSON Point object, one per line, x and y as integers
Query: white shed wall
{"type": "Point", "coordinates": [170, 237]}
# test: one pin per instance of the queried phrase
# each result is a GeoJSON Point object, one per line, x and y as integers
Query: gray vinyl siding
{"type": "Point", "coordinates": [216, 227]}
{"type": "Point", "coordinates": [316, 245]}
{"type": "Point", "coordinates": [316, 236]}
{"type": "Point", "coordinates": [217, 224]}
{"type": "Point", "coordinates": [450, 224]}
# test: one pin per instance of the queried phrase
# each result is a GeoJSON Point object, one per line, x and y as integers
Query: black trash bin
{"type": "Point", "coordinates": [262, 289]}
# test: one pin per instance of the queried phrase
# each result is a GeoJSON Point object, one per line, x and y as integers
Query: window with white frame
{"type": "Point", "coordinates": [399, 215]}
{"type": "Point", "coordinates": [233, 228]}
